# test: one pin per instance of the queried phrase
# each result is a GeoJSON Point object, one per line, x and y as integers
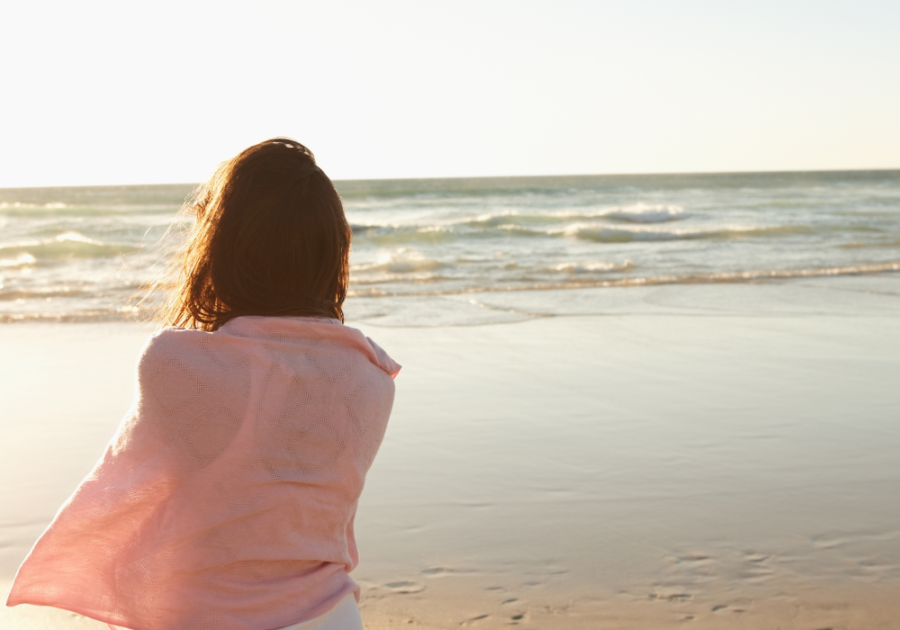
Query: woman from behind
{"type": "Point", "coordinates": [226, 498]}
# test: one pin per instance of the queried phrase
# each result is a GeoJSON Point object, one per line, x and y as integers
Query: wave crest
{"type": "Point", "coordinates": [640, 213]}
{"type": "Point", "coordinates": [401, 261]}
{"type": "Point", "coordinates": [65, 246]}
{"type": "Point", "coordinates": [606, 234]}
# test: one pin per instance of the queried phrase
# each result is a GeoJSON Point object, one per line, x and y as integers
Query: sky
{"type": "Point", "coordinates": [127, 92]}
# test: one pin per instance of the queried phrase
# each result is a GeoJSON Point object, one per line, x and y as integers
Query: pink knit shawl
{"type": "Point", "coordinates": [226, 499]}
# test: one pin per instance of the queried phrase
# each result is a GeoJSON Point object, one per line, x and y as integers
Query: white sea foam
{"type": "Point", "coordinates": [54, 205]}
{"type": "Point", "coordinates": [399, 261]}
{"type": "Point", "coordinates": [634, 213]}
{"type": "Point", "coordinates": [575, 268]}
{"type": "Point", "coordinates": [600, 233]}
{"type": "Point", "coordinates": [75, 237]}
{"type": "Point", "coordinates": [641, 213]}
{"type": "Point", "coordinates": [22, 260]}
{"type": "Point", "coordinates": [62, 246]}
{"type": "Point", "coordinates": [495, 217]}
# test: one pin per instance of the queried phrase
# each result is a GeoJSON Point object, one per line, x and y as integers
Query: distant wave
{"type": "Point", "coordinates": [53, 205]}
{"type": "Point", "coordinates": [641, 213]}
{"type": "Point", "coordinates": [506, 226]}
{"type": "Point", "coordinates": [636, 213]}
{"type": "Point", "coordinates": [61, 247]}
{"type": "Point", "coordinates": [605, 234]}
{"type": "Point", "coordinates": [60, 209]}
{"type": "Point", "coordinates": [22, 260]}
{"type": "Point", "coordinates": [400, 261]}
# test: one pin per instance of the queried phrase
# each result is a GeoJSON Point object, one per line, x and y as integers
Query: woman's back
{"type": "Point", "coordinates": [226, 499]}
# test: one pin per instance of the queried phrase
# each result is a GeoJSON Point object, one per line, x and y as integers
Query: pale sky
{"type": "Point", "coordinates": [127, 92]}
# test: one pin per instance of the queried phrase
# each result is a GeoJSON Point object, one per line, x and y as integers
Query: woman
{"type": "Point", "coordinates": [226, 498]}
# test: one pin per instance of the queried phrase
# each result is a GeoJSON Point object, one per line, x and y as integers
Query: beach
{"type": "Point", "coordinates": [637, 263]}
{"type": "Point", "coordinates": [710, 455]}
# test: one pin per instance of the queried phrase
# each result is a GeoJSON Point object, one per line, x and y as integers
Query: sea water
{"type": "Point", "coordinates": [90, 253]}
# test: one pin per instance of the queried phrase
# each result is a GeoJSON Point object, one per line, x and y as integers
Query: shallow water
{"type": "Point", "coordinates": [75, 254]}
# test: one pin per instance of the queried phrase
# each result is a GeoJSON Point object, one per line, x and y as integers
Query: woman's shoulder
{"type": "Point", "coordinates": [382, 359]}
{"type": "Point", "coordinates": [182, 345]}
{"type": "Point", "coordinates": [170, 337]}
{"type": "Point", "coordinates": [309, 331]}
{"type": "Point", "coordinates": [374, 353]}
{"type": "Point", "coordinates": [170, 343]}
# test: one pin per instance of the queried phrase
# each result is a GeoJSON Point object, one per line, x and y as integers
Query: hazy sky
{"type": "Point", "coordinates": [130, 92]}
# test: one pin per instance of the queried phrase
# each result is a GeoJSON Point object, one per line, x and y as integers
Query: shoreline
{"type": "Point", "coordinates": [876, 279]}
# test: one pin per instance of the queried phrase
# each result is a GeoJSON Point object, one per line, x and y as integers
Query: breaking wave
{"type": "Point", "coordinates": [65, 246]}
{"type": "Point", "coordinates": [604, 234]}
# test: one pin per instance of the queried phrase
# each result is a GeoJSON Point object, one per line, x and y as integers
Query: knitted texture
{"type": "Point", "coordinates": [226, 498]}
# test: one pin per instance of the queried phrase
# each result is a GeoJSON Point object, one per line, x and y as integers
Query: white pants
{"type": "Point", "coordinates": [344, 616]}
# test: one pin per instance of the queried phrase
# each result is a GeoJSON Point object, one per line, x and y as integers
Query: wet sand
{"type": "Point", "coordinates": [716, 456]}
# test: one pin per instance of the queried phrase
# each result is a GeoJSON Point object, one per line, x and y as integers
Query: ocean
{"type": "Point", "coordinates": [90, 253]}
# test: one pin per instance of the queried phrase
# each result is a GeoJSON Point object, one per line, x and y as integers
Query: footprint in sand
{"type": "Point", "coordinates": [404, 587]}
{"type": "Point", "coordinates": [671, 597]}
{"type": "Point", "coordinates": [472, 620]}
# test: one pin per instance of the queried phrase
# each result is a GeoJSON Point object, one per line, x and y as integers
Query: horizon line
{"type": "Point", "coordinates": [488, 177]}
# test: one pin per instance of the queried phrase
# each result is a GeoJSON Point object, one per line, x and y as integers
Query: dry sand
{"type": "Point", "coordinates": [468, 604]}
{"type": "Point", "coordinates": [705, 457]}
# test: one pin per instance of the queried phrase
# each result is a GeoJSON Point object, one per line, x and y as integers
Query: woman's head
{"type": "Point", "coordinates": [270, 239]}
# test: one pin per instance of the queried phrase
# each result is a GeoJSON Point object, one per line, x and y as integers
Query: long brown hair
{"type": "Point", "coordinates": [270, 239]}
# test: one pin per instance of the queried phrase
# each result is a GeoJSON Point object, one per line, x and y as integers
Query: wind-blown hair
{"type": "Point", "coordinates": [270, 239]}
